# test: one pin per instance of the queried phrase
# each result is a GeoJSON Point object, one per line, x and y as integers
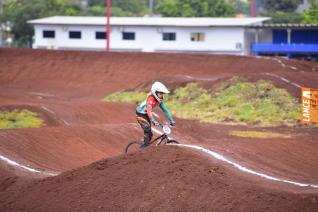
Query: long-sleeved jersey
{"type": "Point", "coordinates": [151, 102]}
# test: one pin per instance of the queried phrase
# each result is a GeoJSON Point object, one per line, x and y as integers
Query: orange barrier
{"type": "Point", "coordinates": [309, 106]}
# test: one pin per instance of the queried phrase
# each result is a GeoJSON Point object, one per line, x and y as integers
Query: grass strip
{"type": "Point", "coordinates": [20, 119]}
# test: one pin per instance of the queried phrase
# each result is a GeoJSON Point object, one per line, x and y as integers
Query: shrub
{"type": "Point", "coordinates": [19, 119]}
{"type": "Point", "coordinates": [233, 101]}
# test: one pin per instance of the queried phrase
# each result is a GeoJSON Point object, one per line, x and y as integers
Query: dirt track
{"type": "Point", "coordinates": [66, 88]}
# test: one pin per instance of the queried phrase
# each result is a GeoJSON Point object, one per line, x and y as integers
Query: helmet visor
{"type": "Point", "coordinates": [159, 94]}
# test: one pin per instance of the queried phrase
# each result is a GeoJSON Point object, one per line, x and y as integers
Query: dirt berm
{"type": "Point", "coordinates": [158, 179]}
{"type": "Point", "coordinates": [66, 88]}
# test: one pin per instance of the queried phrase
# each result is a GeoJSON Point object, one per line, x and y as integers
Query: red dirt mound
{"type": "Point", "coordinates": [60, 149]}
{"type": "Point", "coordinates": [76, 73]}
{"type": "Point", "coordinates": [69, 86]}
{"type": "Point", "coordinates": [157, 179]}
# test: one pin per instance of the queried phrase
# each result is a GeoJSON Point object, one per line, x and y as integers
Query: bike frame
{"type": "Point", "coordinates": [161, 137]}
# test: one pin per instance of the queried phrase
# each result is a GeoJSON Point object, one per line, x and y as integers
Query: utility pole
{"type": "Point", "coordinates": [108, 10]}
{"type": "Point", "coordinates": [1, 25]}
{"type": "Point", "coordinates": [151, 7]}
{"type": "Point", "coordinates": [253, 8]}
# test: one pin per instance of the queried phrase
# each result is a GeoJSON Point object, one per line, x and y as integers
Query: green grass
{"type": "Point", "coordinates": [128, 96]}
{"type": "Point", "coordinates": [232, 102]}
{"type": "Point", "coordinates": [19, 119]}
{"type": "Point", "coordinates": [258, 134]}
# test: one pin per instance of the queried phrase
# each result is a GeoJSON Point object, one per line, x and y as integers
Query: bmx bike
{"type": "Point", "coordinates": [134, 146]}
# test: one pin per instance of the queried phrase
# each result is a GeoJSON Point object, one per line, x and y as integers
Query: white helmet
{"type": "Point", "coordinates": [158, 87]}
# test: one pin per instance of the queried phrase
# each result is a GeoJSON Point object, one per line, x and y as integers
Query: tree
{"type": "Point", "coordinates": [285, 17]}
{"type": "Point", "coordinates": [195, 8]}
{"type": "Point", "coordinates": [242, 7]}
{"type": "Point", "coordinates": [281, 5]}
{"type": "Point", "coordinates": [18, 12]}
{"type": "Point", "coordinates": [282, 11]}
{"type": "Point", "coordinates": [95, 10]}
{"type": "Point", "coordinates": [313, 3]}
{"type": "Point", "coordinates": [100, 10]}
{"type": "Point", "coordinates": [123, 7]}
{"type": "Point", "coordinates": [311, 15]}
{"type": "Point", "coordinates": [137, 7]}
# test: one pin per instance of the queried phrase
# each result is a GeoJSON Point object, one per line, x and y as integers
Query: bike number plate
{"type": "Point", "coordinates": [166, 129]}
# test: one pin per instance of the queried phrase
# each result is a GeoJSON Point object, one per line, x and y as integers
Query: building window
{"type": "Point", "coordinates": [128, 36]}
{"type": "Point", "coordinates": [101, 35]}
{"type": "Point", "coordinates": [169, 36]}
{"type": "Point", "coordinates": [238, 45]}
{"type": "Point", "coordinates": [48, 34]}
{"type": "Point", "coordinates": [198, 36]}
{"type": "Point", "coordinates": [75, 34]}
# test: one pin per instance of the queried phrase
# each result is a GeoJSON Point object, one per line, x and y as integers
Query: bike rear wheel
{"type": "Point", "coordinates": [172, 142]}
{"type": "Point", "coordinates": [133, 146]}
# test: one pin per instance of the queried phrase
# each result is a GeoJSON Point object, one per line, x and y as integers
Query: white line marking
{"type": "Point", "coordinates": [284, 79]}
{"type": "Point", "coordinates": [244, 169]}
{"type": "Point", "coordinates": [198, 78]}
{"type": "Point", "coordinates": [284, 65]}
{"type": "Point", "coordinates": [240, 167]}
{"type": "Point", "coordinates": [50, 111]}
{"type": "Point", "coordinates": [13, 163]}
{"type": "Point", "coordinates": [278, 60]}
{"type": "Point", "coordinates": [65, 122]}
{"type": "Point", "coordinates": [293, 67]}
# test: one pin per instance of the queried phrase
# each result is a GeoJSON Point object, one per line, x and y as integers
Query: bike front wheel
{"type": "Point", "coordinates": [133, 146]}
{"type": "Point", "coordinates": [172, 142]}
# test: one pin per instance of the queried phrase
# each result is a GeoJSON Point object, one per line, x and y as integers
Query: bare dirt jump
{"type": "Point", "coordinates": [76, 161]}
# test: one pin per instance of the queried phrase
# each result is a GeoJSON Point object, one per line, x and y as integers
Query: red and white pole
{"type": "Point", "coordinates": [108, 6]}
{"type": "Point", "coordinates": [253, 8]}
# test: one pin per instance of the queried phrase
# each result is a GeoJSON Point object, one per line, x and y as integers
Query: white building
{"type": "Point", "coordinates": [147, 34]}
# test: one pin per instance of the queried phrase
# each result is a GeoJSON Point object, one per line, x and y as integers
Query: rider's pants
{"type": "Point", "coordinates": [145, 124]}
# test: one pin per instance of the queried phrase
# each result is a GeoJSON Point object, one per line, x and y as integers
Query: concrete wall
{"type": "Point", "coordinates": [229, 40]}
{"type": "Point", "coordinates": [266, 36]}
{"type": "Point", "coordinates": [249, 37]}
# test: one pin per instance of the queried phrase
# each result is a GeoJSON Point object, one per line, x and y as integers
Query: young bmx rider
{"type": "Point", "coordinates": [144, 110]}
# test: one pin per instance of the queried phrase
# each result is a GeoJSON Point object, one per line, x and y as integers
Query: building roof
{"type": "Point", "coordinates": [148, 21]}
{"type": "Point", "coordinates": [286, 26]}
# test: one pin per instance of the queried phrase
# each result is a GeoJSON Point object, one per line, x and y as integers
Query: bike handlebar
{"type": "Point", "coordinates": [162, 125]}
